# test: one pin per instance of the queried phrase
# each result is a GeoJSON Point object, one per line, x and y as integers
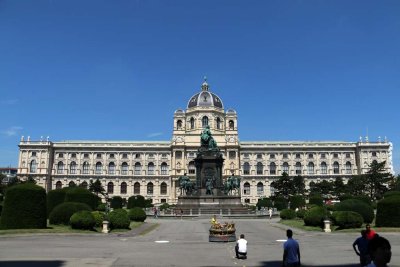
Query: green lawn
{"type": "Point", "coordinates": [63, 229]}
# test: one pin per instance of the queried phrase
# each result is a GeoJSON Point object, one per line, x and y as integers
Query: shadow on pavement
{"type": "Point", "coordinates": [32, 263]}
{"type": "Point", "coordinates": [279, 264]}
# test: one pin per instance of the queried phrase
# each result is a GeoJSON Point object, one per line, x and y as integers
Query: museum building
{"type": "Point", "coordinates": [152, 168]}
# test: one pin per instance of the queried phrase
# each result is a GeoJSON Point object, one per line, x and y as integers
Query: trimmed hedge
{"type": "Point", "coordinates": [165, 206]}
{"type": "Point", "coordinates": [63, 212]}
{"type": "Point", "coordinates": [301, 213]}
{"type": "Point", "coordinates": [347, 219]}
{"type": "Point", "coordinates": [297, 201]}
{"type": "Point", "coordinates": [263, 202]}
{"type": "Point", "coordinates": [136, 201]}
{"type": "Point", "coordinates": [119, 219]}
{"type": "Point", "coordinates": [315, 216]}
{"type": "Point", "coordinates": [137, 214]}
{"type": "Point", "coordinates": [24, 207]}
{"type": "Point", "coordinates": [391, 193]}
{"type": "Point", "coordinates": [316, 200]}
{"type": "Point", "coordinates": [55, 198]}
{"type": "Point", "coordinates": [99, 217]}
{"type": "Point", "coordinates": [287, 214]}
{"type": "Point", "coordinates": [83, 219]}
{"type": "Point", "coordinates": [365, 210]}
{"type": "Point", "coordinates": [116, 202]}
{"type": "Point", "coordinates": [388, 212]}
{"type": "Point", "coordinates": [82, 195]}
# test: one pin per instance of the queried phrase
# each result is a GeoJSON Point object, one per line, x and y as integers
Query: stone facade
{"type": "Point", "coordinates": [151, 169]}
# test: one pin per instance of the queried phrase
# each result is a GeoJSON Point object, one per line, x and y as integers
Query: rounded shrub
{"type": "Point", "coordinates": [137, 214]}
{"type": "Point", "coordinates": [316, 200]}
{"type": "Point", "coordinates": [119, 219]}
{"type": "Point", "coordinates": [388, 212]}
{"type": "Point", "coordinates": [63, 212]}
{"type": "Point", "coordinates": [136, 201]}
{"type": "Point", "coordinates": [300, 213]}
{"type": "Point", "coordinates": [364, 198]}
{"type": "Point", "coordinates": [55, 198]}
{"type": "Point", "coordinates": [264, 202]}
{"type": "Point", "coordinates": [315, 216]}
{"type": "Point", "coordinates": [116, 202]}
{"type": "Point", "coordinates": [347, 219]}
{"type": "Point", "coordinates": [365, 210]}
{"type": "Point", "coordinates": [83, 219]}
{"type": "Point", "coordinates": [101, 207]}
{"type": "Point", "coordinates": [297, 201]}
{"type": "Point", "coordinates": [99, 217]}
{"type": "Point", "coordinates": [287, 214]}
{"type": "Point", "coordinates": [165, 206]}
{"type": "Point", "coordinates": [24, 207]}
{"type": "Point", "coordinates": [82, 195]}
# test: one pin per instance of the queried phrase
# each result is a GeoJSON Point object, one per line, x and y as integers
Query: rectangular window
{"type": "Point", "coordinates": [323, 156]}
{"type": "Point", "coordinates": [33, 154]}
{"type": "Point", "coordinates": [232, 154]}
{"type": "Point", "coordinates": [259, 156]}
{"type": "Point", "coordinates": [137, 156]}
{"type": "Point", "coordinates": [348, 155]}
{"type": "Point", "coordinates": [272, 156]}
{"type": "Point", "coordinates": [98, 156]}
{"type": "Point", "coordinates": [124, 156]}
{"type": "Point", "coordinates": [335, 155]}
{"type": "Point", "coordinates": [164, 156]}
{"type": "Point", "coordinates": [246, 156]}
{"type": "Point", "coordinates": [297, 156]}
{"type": "Point", "coordinates": [86, 155]}
{"type": "Point", "coordinates": [60, 155]}
{"type": "Point", "coordinates": [310, 156]}
{"type": "Point", "coordinates": [111, 156]}
{"type": "Point", "coordinates": [73, 155]}
{"type": "Point", "coordinates": [178, 154]}
{"type": "Point", "coordinates": [151, 156]}
{"type": "Point", "coordinates": [285, 156]}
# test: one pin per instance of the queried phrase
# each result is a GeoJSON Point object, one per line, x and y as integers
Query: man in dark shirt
{"type": "Point", "coordinates": [362, 245]}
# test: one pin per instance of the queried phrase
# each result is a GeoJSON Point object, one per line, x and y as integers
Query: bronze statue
{"type": "Point", "coordinates": [232, 183]}
{"type": "Point", "coordinates": [209, 186]}
{"type": "Point", "coordinates": [186, 185]}
{"type": "Point", "coordinates": [207, 140]}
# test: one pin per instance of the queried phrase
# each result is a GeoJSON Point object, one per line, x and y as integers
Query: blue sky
{"type": "Point", "coordinates": [117, 70]}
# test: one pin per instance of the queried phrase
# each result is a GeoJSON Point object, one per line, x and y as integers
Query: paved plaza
{"type": "Point", "coordinates": [184, 242]}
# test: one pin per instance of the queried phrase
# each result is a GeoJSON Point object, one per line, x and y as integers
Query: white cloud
{"type": "Point", "coordinates": [12, 131]}
{"type": "Point", "coordinates": [154, 134]}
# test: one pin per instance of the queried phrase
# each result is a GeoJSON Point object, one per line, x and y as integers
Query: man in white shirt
{"type": "Point", "coordinates": [241, 248]}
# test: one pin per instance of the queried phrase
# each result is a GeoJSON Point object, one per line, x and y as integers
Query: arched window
{"type": "Point", "coordinates": [84, 185]}
{"type": "Point", "coordinates": [310, 168]}
{"type": "Point", "coordinates": [191, 123]}
{"type": "Point", "coordinates": [33, 166]}
{"type": "Point", "coordinates": [123, 188]}
{"type": "Point", "coordinates": [150, 188]}
{"type": "Point", "coordinates": [348, 167]}
{"type": "Point", "coordinates": [324, 169]}
{"type": "Point", "coordinates": [179, 124]}
{"type": "Point", "coordinates": [260, 168]}
{"type": "Point", "coordinates": [85, 168]}
{"type": "Point", "coordinates": [246, 188]}
{"type": "Point", "coordinates": [231, 125]}
{"type": "Point", "coordinates": [285, 167]}
{"type": "Point", "coordinates": [335, 167]}
{"type": "Point", "coordinates": [110, 188]}
{"type": "Point", "coordinates": [138, 168]}
{"type": "Point", "coordinates": [260, 188]}
{"type": "Point", "coordinates": [111, 168]}
{"type": "Point", "coordinates": [272, 168]}
{"type": "Point", "coordinates": [72, 168]}
{"type": "Point", "coordinates": [163, 188]}
{"type": "Point", "coordinates": [204, 121]}
{"type": "Point", "coordinates": [218, 123]}
{"type": "Point", "coordinates": [58, 185]}
{"type": "Point", "coordinates": [298, 168]}
{"type": "Point", "coordinates": [164, 168]}
{"type": "Point", "coordinates": [192, 168]}
{"type": "Point", "coordinates": [71, 184]}
{"type": "Point", "coordinates": [150, 168]}
{"type": "Point", "coordinates": [136, 188]}
{"type": "Point", "coordinates": [99, 167]}
{"type": "Point", "coordinates": [246, 168]}
{"type": "Point", "coordinates": [124, 168]}
{"type": "Point", "coordinates": [60, 167]}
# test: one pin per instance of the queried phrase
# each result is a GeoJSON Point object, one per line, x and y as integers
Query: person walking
{"type": "Point", "coordinates": [291, 251]}
{"type": "Point", "coordinates": [270, 213]}
{"type": "Point", "coordinates": [241, 248]}
{"type": "Point", "coordinates": [362, 244]}
{"type": "Point", "coordinates": [369, 232]}
{"type": "Point", "coordinates": [380, 251]}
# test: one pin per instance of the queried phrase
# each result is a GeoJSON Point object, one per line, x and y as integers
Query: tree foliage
{"type": "Point", "coordinates": [284, 186]}
{"type": "Point", "coordinates": [96, 187]}
{"type": "Point", "coordinates": [377, 179]}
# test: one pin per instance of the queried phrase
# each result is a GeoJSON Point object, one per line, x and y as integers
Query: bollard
{"type": "Point", "coordinates": [106, 229]}
{"type": "Point", "coordinates": [327, 224]}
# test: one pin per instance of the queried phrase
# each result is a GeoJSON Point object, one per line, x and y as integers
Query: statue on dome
{"type": "Point", "coordinates": [207, 140]}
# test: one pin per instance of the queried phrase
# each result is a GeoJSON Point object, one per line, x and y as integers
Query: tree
{"type": "Point", "coordinates": [377, 180]}
{"type": "Point", "coordinates": [284, 186]}
{"type": "Point", "coordinates": [321, 188]}
{"type": "Point", "coordinates": [299, 185]}
{"type": "Point", "coordinates": [339, 188]}
{"type": "Point", "coordinates": [96, 187]}
{"type": "Point", "coordinates": [395, 183]}
{"type": "Point", "coordinates": [356, 185]}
